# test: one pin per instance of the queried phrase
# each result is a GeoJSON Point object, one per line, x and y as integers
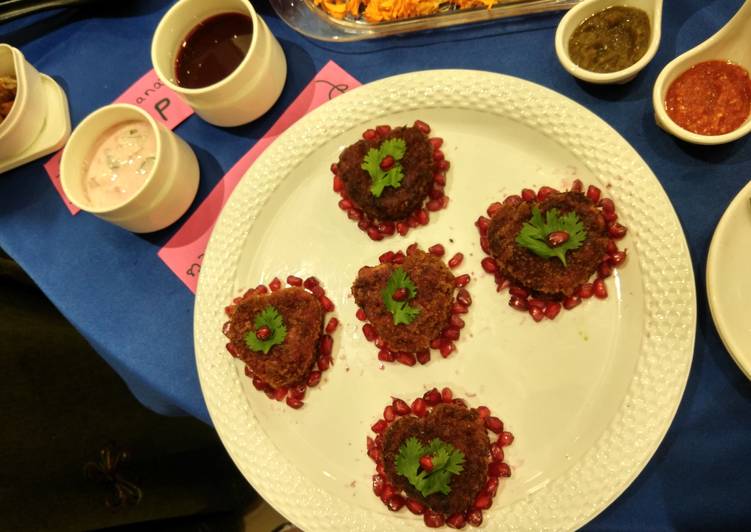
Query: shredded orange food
{"type": "Point", "coordinates": [386, 10]}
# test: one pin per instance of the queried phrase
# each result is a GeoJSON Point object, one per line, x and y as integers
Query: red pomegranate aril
{"type": "Point", "coordinates": [607, 205]}
{"type": "Point", "coordinates": [618, 258]}
{"type": "Point", "coordinates": [402, 228]}
{"type": "Point", "coordinates": [332, 325]}
{"type": "Point", "coordinates": [379, 426]}
{"type": "Point", "coordinates": [437, 250]}
{"type": "Point", "coordinates": [494, 208]}
{"type": "Point", "coordinates": [323, 362]}
{"type": "Point", "coordinates": [456, 322]}
{"type": "Point", "coordinates": [528, 195]}
{"type": "Point", "coordinates": [381, 469]}
{"type": "Point", "coordinates": [436, 343]}
{"type": "Point", "coordinates": [450, 333]}
{"type": "Point", "coordinates": [389, 414]}
{"type": "Point", "coordinates": [378, 484]}
{"type": "Point", "coordinates": [438, 155]}
{"type": "Point", "coordinates": [412, 221]}
{"type": "Point", "coordinates": [462, 280]}
{"type": "Point", "coordinates": [443, 165]}
{"type": "Point", "coordinates": [432, 397]}
{"type": "Point", "coordinates": [294, 403]}
{"type": "Point", "coordinates": [434, 205]}
{"type": "Point", "coordinates": [408, 359]}
{"type": "Point", "coordinates": [617, 230]}
{"type": "Point", "coordinates": [280, 393]}
{"type": "Point", "coordinates": [599, 289]}
{"type": "Point", "coordinates": [310, 282]}
{"type": "Point", "coordinates": [464, 297]}
{"type": "Point", "coordinates": [327, 344]}
{"type": "Point", "coordinates": [433, 519]}
{"type": "Point", "coordinates": [483, 411]}
{"type": "Point", "coordinates": [318, 291]}
{"type": "Point", "coordinates": [387, 492]}
{"type": "Point", "coordinates": [374, 234]}
{"type": "Point", "coordinates": [489, 265]}
{"type": "Point", "coordinates": [423, 356]}
{"type": "Point", "coordinates": [360, 315]}
{"type": "Point", "coordinates": [557, 238]}
{"type": "Point", "coordinates": [401, 407]}
{"type": "Point", "coordinates": [426, 463]}
{"type": "Point", "coordinates": [370, 134]}
{"type": "Point", "coordinates": [518, 303]}
{"type": "Point", "coordinates": [338, 184]}
{"type": "Point", "coordinates": [386, 228]}
{"type": "Point", "coordinates": [537, 303]}
{"type": "Point", "coordinates": [494, 424]}
{"type": "Point", "coordinates": [422, 217]}
{"type": "Point", "coordinates": [571, 302]}
{"type": "Point", "coordinates": [610, 217]}
{"type": "Point", "coordinates": [419, 407]}
{"type": "Point", "coordinates": [334, 168]}
{"type": "Point", "coordinates": [326, 303]}
{"type": "Point", "coordinates": [593, 193]}
{"type": "Point", "coordinates": [604, 271]}
{"type": "Point", "coordinates": [506, 438]}
{"type": "Point", "coordinates": [447, 349]}
{"type": "Point", "coordinates": [298, 392]}
{"type": "Point", "coordinates": [369, 443]}
{"type": "Point", "coordinates": [258, 384]}
{"type": "Point", "coordinates": [611, 247]}
{"type": "Point", "coordinates": [384, 355]}
{"type": "Point", "coordinates": [519, 292]}
{"type": "Point", "coordinates": [261, 289]}
{"type": "Point", "coordinates": [398, 257]}
{"type": "Point", "coordinates": [482, 224]}
{"type": "Point", "coordinates": [513, 200]}
{"type": "Point", "coordinates": [412, 248]}
{"type": "Point", "coordinates": [379, 343]}
{"type": "Point", "coordinates": [314, 378]}
{"type": "Point", "coordinates": [439, 178]}
{"type": "Point", "coordinates": [369, 331]}
{"type": "Point", "coordinates": [345, 204]}
{"type": "Point", "coordinates": [458, 308]}
{"type": "Point", "coordinates": [482, 502]}
{"type": "Point", "coordinates": [474, 517]}
{"type": "Point", "coordinates": [544, 192]}
{"type": "Point", "coordinates": [263, 333]}
{"type": "Point", "coordinates": [395, 503]}
{"type": "Point", "coordinates": [275, 284]}
{"type": "Point", "coordinates": [436, 142]}
{"type": "Point", "coordinates": [496, 452]}
{"type": "Point", "coordinates": [485, 244]}
{"type": "Point", "coordinates": [552, 310]}
{"type": "Point", "coordinates": [400, 294]}
{"type": "Point", "coordinates": [383, 130]}
{"type": "Point", "coordinates": [456, 521]}
{"type": "Point", "coordinates": [577, 185]}
{"type": "Point", "coordinates": [585, 291]}
{"type": "Point", "coordinates": [447, 395]}
{"type": "Point", "coordinates": [436, 194]}
{"type": "Point", "coordinates": [422, 126]}
{"type": "Point", "coordinates": [491, 486]}
{"type": "Point", "coordinates": [414, 506]}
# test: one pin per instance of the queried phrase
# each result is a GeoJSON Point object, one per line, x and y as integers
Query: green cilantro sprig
{"type": "Point", "coordinates": [401, 311]}
{"type": "Point", "coordinates": [277, 331]}
{"type": "Point", "coordinates": [534, 233]}
{"type": "Point", "coordinates": [447, 461]}
{"type": "Point", "coordinates": [391, 177]}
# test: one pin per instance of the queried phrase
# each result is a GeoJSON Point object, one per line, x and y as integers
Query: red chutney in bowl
{"type": "Point", "coordinates": [710, 98]}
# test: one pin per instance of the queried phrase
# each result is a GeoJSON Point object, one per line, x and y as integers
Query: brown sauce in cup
{"type": "Point", "coordinates": [610, 40]}
{"type": "Point", "coordinates": [213, 50]}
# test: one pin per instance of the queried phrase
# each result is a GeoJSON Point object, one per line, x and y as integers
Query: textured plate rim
{"type": "Point", "coordinates": [637, 429]}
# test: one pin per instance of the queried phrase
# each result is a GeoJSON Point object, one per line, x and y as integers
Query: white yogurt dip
{"type": "Point", "coordinates": [119, 163]}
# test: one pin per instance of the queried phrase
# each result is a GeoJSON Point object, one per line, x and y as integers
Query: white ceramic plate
{"type": "Point", "coordinates": [728, 281]}
{"type": "Point", "coordinates": [588, 396]}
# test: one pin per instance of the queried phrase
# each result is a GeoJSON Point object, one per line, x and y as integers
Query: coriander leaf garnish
{"type": "Point", "coordinates": [269, 331]}
{"type": "Point", "coordinates": [447, 461]}
{"type": "Point", "coordinates": [401, 311]}
{"type": "Point", "coordinates": [534, 233]}
{"type": "Point", "coordinates": [385, 175]}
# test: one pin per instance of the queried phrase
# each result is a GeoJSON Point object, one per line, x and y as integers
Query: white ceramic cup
{"type": "Point", "coordinates": [165, 195]}
{"type": "Point", "coordinates": [26, 118]}
{"type": "Point", "coordinates": [249, 91]}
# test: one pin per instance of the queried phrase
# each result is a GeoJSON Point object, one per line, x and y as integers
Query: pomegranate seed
{"type": "Point", "coordinates": [387, 493]}
{"type": "Point", "coordinates": [528, 195]}
{"type": "Point", "coordinates": [443, 165]}
{"type": "Point", "coordinates": [369, 442]}
{"type": "Point", "coordinates": [408, 359]}
{"type": "Point", "coordinates": [258, 384]}
{"type": "Point", "coordinates": [323, 363]}
{"type": "Point", "coordinates": [294, 403]}
{"type": "Point", "coordinates": [456, 521]}
{"type": "Point", "coordinates": [610, 217]}
{"type": "Point", "coordinates": [607, 205]}
{"type": "Point", "coordinates": [494, 424]}
{"type": "Point", "coordinates": [436, 142]}
{"type": "Point", "coordinates": [506, 439]}
{"type": "Point", "coordinates": [617, 231]}
{"type": "Point", "coordinates": [401, 407]}
{"type": "Point", "coordinates": [577, 185]}
{"type": "Point", "coordinates": [438, 155]}
{"type": "Point", "coordinates": [345, 204]}
{"type": "Point", "coordinates": [318, 291]}
{"type": "Point", "coordinates": [275, 284]}
{"type": "Point", "coordinates": [386, 257]}
{"type": "Point", "coordinates": [489, 265]}
{"type": "Point", "coordinates": [364, 224]}
{"type": "Point", "coordinates": [298, 392]}
{"type": "Point", "coordinates": [400, 294]}
{"type": "Point", "coordinates": [513, 200]}
{"type": "Point", "coordinates": [463, 297]}
{"type": "Point", "coordinates": [314, 378]}
{"type": "Point", "coordinates": [419, 407]}
{"type": "Point", "coordinates": [389, 414]}
{"type": "Point", "coordinates": [402, 228]}
{"type": "Point", "coordinates": [491, 486]}
{"type": "Point", "coordinates": [536, 303]}
{"type": "Point", "coordinates": [310, 282]}
{"type": "Point", "coordinates": [447, 395]}
{"type": "Point", "coordinates": [504, 470]}
{"type": "Point", "coordinates": [422, 126]}
{"type": "Point", "coordinates": [374, 454]}
{"type": "Point", "coordinates": [426, 462]}
{"type": "Point", "coordinates": [334, 168]}
{"type": "Point", "coordinates": [395, 503]}
{"type": "Point", "coordinates": [280, 393]}
{"type": "Point", "coordinates": [263, 333]}
{"type": "Point", "coordinates": [338, 184]}
{"type": "Point", "coordinates": [332, 325]}
{"type": "Point", "coordinates": [593, 193]}
{"type": "Point", "coordinates": [412, 248]}
{"type": "Point", "coordinates": [360, 314]}
{"type": "Point", "coordinates": [385, 355]}
{"type": "Point", "coordinates": [611, 247]}
{"type": "Point", "coordinates": [483, 502]}
{"type": "Point", "coordinates": [433, 519]}
{"type": "Point", "coordinates": [432, 397]}
{"type": "Point", "coordinates": [585, 291]}
{"type": "Point", "coordinates": [326, 303]}
{"type": "Point", "coordinates": [414, 506]}
{"type": "Point", "coordinates": [474, 517]}
{"type": "Point", "coordinates": [439, 178]}
{"type": "Point", "coordinates": [552, 310]}
{"type": "Point", "coordinates": [379, 343]}
{"type": "Point", "coordinates": [434, 205]}
{"type": "Point", "coordinates": [483, 411]}
{"type": "Point", "coordinates": [383, 130]}
{"type": "Point", "coordinates": [261, 289]}
{"type": "Point", "coordinates": [423, 217]}
{"type": "Point", "coordinates": [494, 208]}
{"type": "Point", "coordinates": [450, 333]}
{"type": "Point", "coordinates": [436, 343]}
{"type": "Point", "coordinates": [604, 270]}
{"type": "Point", "coordinates": [374, 234]}
{"type": "Point", "coordinates": [386, 228]}
{"type": "Point", "coordinates": [519, 292]}
{"type": "Point", "coordinates": [369, 331]}
{"type": "Point", "coordinates": [618, 258]}
{"type": "Point", "coordinates": [544, 192]}
{"type": "Point", "coordinates": [482, 224]}
{"type": "Point", "coordinates": [496, 451]}
{"type": "Point", "coordinates": [462, 280]}
{"type": "Point", "coordinates": [571, 302]}
{"type": "Point", "coordinates": [447, 349]}
{"type": "Point", "coordinates": [398, 258]}
{"type": "Point", "coordinates": [423, 356]}
{"type": "Point", "coordinates": [378, 483]}
{"type": "Point", "coordinates": [518, 303]}
{"type": "Point", "coordinates": [458, 308]}
{"type": "Point", "coordinates": [381, 469]}
{"type": "Point", "coordinates": [485, 244]}
{"type": "Point", "coordinates": [370, 134]}
{"type": "Point", "coordinates": [494, 469]}
{"type": "Point", "coordinates": [327, 343]}
{"type": "Point", "coordinates": [599, 289]}
{"type": "Point", "coordinates": [437, 250]}
{"type": "Point", "coordinates": [456, 322]}
{"type": "Point", "coordinates": [557, 238]}
{"type": "Point", "coordinates": [379, 426]}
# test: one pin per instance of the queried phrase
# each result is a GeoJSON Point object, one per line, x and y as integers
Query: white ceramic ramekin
{"type": "Point", "coordinates": [165, 195]}
{"type": "Point", "coordinates": [24, 122]}
{"type": "Point", "coordinates": [249, 91]}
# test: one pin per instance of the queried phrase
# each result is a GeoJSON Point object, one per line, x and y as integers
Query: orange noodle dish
{"type": "Point", "coordinates": [387, 10]}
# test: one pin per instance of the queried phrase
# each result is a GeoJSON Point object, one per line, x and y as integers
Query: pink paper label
{"type": "Point", "coordinates": [151, 95]}
{"type": "Point", "coordinates": [184, 252]}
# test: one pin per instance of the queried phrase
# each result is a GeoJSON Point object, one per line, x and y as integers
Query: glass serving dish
{"type": "Point", "coordinates": [312, 21]}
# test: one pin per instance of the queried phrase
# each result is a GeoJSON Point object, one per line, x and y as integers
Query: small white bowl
{"type": "Point", "coordinates": [244, 95]}
{"type": "Point", "coordinates": [26, 118]}
{"type": "Point", "coordinates": [165, 195]}
{"type": "Point", "coordinates": [730, 43]}
{"type": "Point", "coordinates": [584, 10]}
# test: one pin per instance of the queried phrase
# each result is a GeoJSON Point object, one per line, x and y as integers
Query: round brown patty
{"type": "Point", "coordinates": [435, 289]}
{"type": "Point", "coordinates": [394, 203]}
{"type": "Point", "coordinates": [455, 424]}
{"type": "Point", "coordinates": [288, 363]}
{"type": "Point", "coordinates": [548, 276]}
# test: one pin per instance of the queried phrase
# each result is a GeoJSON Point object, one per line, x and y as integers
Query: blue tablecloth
{"type": "Point", "coordinates": [112, 286]}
